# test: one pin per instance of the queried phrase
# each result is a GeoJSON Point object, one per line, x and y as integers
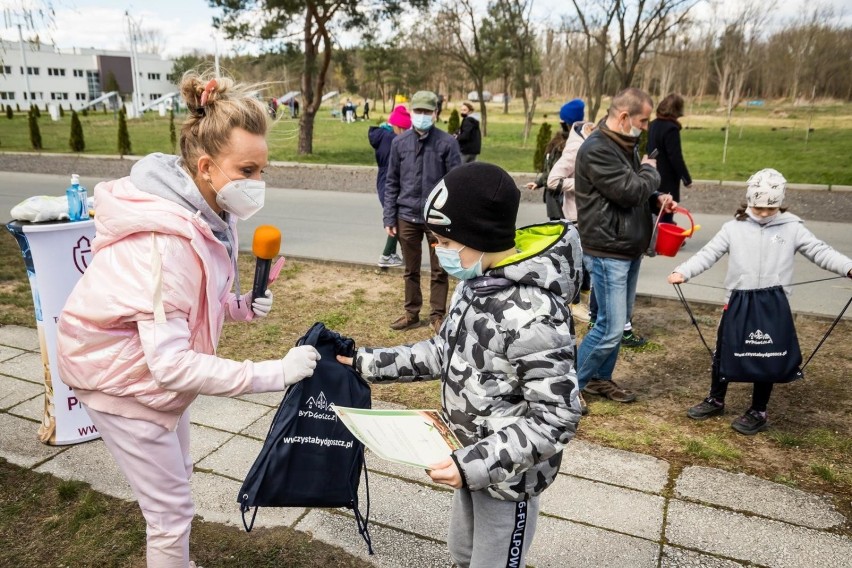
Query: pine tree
{"type": "Point", "coordinates": [35, 133]}
{"type": "Point", "coordinates": [61, 111]}
{"type": "Point", "coordinates": [9, 114]}
{"type": "Point", "coordinates": [172, 133]}
{"type": "Point", "coordinates": [17, 107]}
{"type": "Point", "coordinates": [85, 112]}
{"type": "Point", "coordinates": [544, 135]}
{"type": "Point", "coordinates": [35, 111]}
{"type": "Point", "coordinates": [454, 123]}
{"type": "Point", "coordinates": [76, 142]}
{"type": "Point", "coordinates": [124, 147]}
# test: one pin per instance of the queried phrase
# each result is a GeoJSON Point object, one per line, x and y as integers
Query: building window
{"type": "Point", "coordinates": [30, 70]}
{"type": "Point", "coordinates": [154, 76]}
{"type": "Point", "coordinates": [7, 96]}
{"type": "Point", "coordinates": [170, 78]}
{"type": "Point", "coordinates": [7, 69]}
{"type": "Point", "coordinates": [78, 72]}
{"type": "Point", "coordinates": [81, 96]}
{"type": "Point", "coordinates": [93, 81]}
{"type": "Point", "coordinates": [154, 96]}
{"type": "Point", "coordinates": [33, 95]}
{"type": "Point", "coordinates": [55, 72]}
{"type": "Point", "coordinates": [59, 96]}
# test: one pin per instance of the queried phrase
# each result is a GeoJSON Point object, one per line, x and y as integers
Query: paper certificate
{"type": "Point", "coordinates": [412, 437]}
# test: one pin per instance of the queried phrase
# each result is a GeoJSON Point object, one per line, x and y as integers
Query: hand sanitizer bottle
{"type": "Point", "coordinates": [78, 207]}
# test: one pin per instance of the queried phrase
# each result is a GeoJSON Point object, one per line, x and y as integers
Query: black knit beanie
{"type": "Point", "coordinates": [476, 205]}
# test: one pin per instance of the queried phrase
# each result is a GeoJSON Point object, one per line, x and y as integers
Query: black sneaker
{"type": "Point", "coordinates": [705, 409]}
{"type": "Point", "coordinates": [630, 339]}
{"type": "Point", "coordinates": [750, 423]}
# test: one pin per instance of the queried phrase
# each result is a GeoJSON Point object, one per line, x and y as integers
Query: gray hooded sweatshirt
{"type": "Point", "coordinates": [762, 255]}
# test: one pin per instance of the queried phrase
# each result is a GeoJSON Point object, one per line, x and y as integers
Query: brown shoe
{"type": "Point", "coordinates": [610, 390]}
{"type": "Point", "coordinates": [436, 324]}
{"type": "Point", "coordinates": [408, 321]}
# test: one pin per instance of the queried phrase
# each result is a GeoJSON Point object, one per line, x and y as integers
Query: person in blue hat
{"type": "Point", "coordinates": [571, 112]}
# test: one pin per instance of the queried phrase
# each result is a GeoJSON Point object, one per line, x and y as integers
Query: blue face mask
{"type": "Point", "coordinates": [421, 122]}
{"type": "Point", "coordinates": [451, 262]}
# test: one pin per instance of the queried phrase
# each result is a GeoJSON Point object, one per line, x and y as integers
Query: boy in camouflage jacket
{"type": "Point", "coordinates": [505, 355]}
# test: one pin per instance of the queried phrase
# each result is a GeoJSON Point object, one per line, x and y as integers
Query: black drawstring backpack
{"type": "Point", "coordinates": [757, 339]}
{"type": "Point", "coordinates": [309, 458]}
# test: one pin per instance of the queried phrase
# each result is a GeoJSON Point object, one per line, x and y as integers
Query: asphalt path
{"type": "Point", "coordinates": [347, 227]}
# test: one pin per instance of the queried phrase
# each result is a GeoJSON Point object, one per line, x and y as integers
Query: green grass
{"type": "Point", "coordinates": [772, 136]}
{"type": "Point", "coordinates": [711, 447]}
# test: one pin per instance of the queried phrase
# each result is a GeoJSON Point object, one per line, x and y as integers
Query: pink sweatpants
{"type": "Point", "coordinates": [157, 465]}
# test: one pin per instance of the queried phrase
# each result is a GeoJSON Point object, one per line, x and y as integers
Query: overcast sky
{"type": "Point", "coordinates": [186, 25]}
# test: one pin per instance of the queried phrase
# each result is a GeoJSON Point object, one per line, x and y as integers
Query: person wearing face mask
{"type": "Point", "coordinates": [137, 338]}
{"type": "Point", "coordinates": [505, 357]}
{"type": "Point", "coordinates": [761, 243]}
{"type": "Point", "coordinates": [419, 158]}
{"type": "Point", "coordinates": [615, 192]}
{"type": "Point", "coordinates": [469, 136]}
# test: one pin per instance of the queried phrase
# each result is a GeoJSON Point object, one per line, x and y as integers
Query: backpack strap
{"type": "Point", "coordinates": [362, 520]}
{"type": "Point", "coordinates": [824, 337]}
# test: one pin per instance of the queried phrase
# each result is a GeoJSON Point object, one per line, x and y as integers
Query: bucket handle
{"type": "Point", "coordinates": [686, 212]}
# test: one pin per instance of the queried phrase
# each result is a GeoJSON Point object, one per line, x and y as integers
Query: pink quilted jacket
{"type": "Point", "coordinates": [154, 261]}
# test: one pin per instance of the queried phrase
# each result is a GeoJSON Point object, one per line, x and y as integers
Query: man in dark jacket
{"type": "Point", "coordinates": [616, 193]}
{"type": "Point", "coordinates": [419, 158]}
{"type": "Point", "coordinates": [469, 136]}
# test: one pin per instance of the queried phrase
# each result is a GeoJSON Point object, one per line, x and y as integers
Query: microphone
{"type": "Point", "coordinates": [265, 246]}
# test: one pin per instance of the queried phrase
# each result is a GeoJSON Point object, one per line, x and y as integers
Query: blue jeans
{"type": "Point", "coordinates": [614, 281]}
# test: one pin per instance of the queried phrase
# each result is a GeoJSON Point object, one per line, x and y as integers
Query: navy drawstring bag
{"type": "Point", "coordinates": [309, 458]}
{"type": "Point", "coordinates": [757, 339]}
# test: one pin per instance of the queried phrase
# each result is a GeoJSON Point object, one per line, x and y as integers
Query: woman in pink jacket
{"type": "Point", "coordinates": [137, 338]}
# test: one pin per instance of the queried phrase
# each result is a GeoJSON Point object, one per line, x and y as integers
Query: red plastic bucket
{"type": "Point", "coordinates": [670, 237]}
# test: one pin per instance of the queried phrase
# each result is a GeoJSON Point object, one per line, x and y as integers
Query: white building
{"type": "Point", "coordinates": [43, 74]}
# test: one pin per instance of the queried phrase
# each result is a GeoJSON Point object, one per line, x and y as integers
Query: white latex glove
{"type": "Point", "coordinates": [299, 363]}
{"type": "Point", "coordinates": [262, 306]}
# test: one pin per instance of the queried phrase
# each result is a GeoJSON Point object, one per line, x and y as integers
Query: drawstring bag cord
{"type": "Point", "coordinates": [363, 520]}
{"type": "Point", "coordinates": [821, 341]}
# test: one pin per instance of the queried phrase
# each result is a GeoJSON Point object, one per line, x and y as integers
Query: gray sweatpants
{"type": "Point", "coordinates": [489, 533]}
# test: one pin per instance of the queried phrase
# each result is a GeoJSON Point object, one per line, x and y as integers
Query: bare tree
{"type": "Point", "coordinates": [312, 23]}
{"type": "Point", "coordinates": [737, 48]}
{"type": "Point", "coordinates": [456, 34]}
{"type": "Point", "coordinates": [590, 41]}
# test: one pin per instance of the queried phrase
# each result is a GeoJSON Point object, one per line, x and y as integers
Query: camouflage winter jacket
{"type": "Point", "coordinates": [506, 357]}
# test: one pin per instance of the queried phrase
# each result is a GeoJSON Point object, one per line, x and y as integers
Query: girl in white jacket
{"type": "Point", "coordinates": [137, 338]}
{"type": "Point", "coordinates": [761, 243]}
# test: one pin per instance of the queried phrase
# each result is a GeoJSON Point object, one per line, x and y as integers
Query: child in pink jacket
{"type": "Point", "coordinates": [137, 338]}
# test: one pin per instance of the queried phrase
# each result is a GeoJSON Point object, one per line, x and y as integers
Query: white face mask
{"type": "Point", "coordinates": [633, 132]}
{"type": "Point", "coordinates": [242, 197]}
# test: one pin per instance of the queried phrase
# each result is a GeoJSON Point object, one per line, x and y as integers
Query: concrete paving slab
{"type": "Point", "coordinates": [841, 187]}
{"type": "Point", "coordinates": [19, 443]}
{"type": "Point", "coordinates": [674, 557]}
{"type": "Point", "coordinates": [215, 499]}
{"type": "Point", "coordinates": [408, 506]}
{"type": "Point", "coordinates": [204, 441]}
{"type": "Point", "coordinates": [27, 366]}
{"type": "Point", "coordinates": [393, 549]}
{"type": "Point", "coordinates": [32, 409]}
{"type": "Point", "coordinates": [747, 493]}
{"type": "Point", "coordinates": [605, 506]}
{"type": "Point", "coordinates": [229, 414]}
{"type": "Point", "coordinates": [91, 463]}
{"type": "Point", "coordinates": [808, 186]}
{"type": "Point", "coordinates": [272, 399]}
{"type": "Point", "coordinates": [765, 542]}
{"type": "Point", "coordinates": [7, 352]}
{"type": "Point", "coordinates": [260, 427]}
{"type": "Point", "coordinates": [234, 459]}
{"type": "Point", "coordinates": [16, 391]}
{"type": "Point", "coordinates": [20, 337]}
{"type": "Point", "coordinates": [563, 544]}
{"type": "Point", "coordinates": [627, 469]}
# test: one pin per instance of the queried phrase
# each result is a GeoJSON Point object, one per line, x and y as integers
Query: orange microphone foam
{"type": "Point", "coordinates": [267, 242]}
